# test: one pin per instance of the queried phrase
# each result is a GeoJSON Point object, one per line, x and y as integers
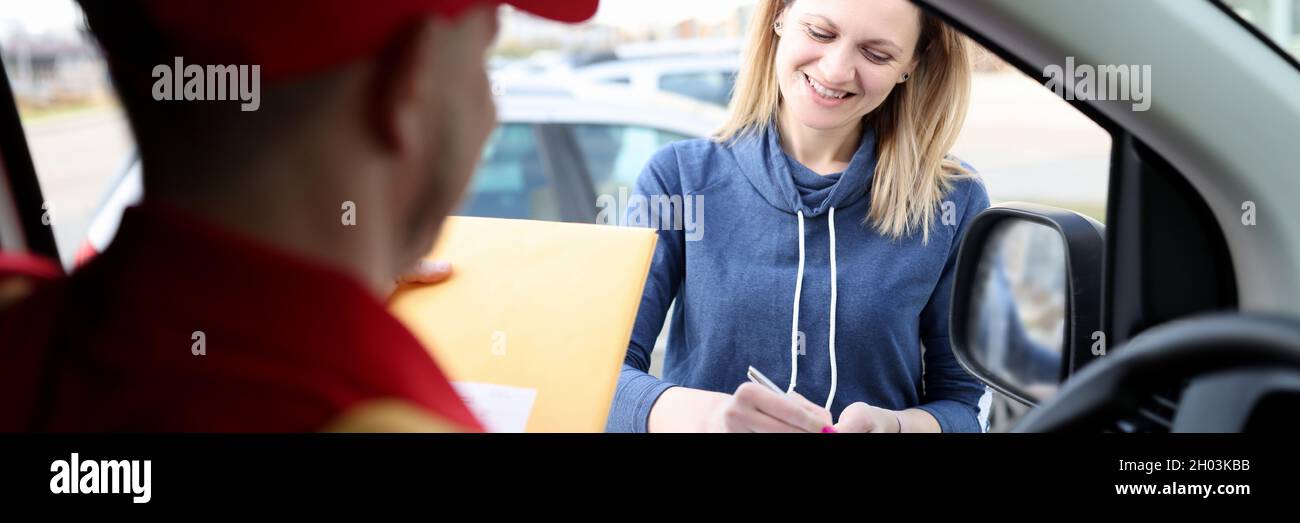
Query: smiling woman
{"type": "Point", "coordinates": [840, 107]}
{"type": "Point", "coordinates": [880, 47]}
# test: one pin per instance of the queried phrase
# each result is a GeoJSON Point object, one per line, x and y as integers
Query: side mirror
{"type": "Point", "coordinates": [1026, 306]}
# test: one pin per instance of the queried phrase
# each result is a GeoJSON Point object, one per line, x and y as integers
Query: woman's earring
{"type": "Point", "coordinates": [777, 26]}
{"type": "Point", "coordinates": [906, 76]}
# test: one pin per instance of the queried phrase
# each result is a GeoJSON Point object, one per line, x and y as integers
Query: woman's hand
{"type": "Point", "coordinates": [754, 408]}
{"type": "Point", "coordinates": [860, 417]}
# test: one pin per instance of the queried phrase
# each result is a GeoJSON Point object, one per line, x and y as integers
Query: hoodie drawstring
{"type": "Point", "coordinates": [834, 294]}
{"type": "Point", "coordinates": [794, 322]}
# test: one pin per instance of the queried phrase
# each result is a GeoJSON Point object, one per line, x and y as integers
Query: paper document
{"type": "Point", "coordinates": [499, 407]}
{"type": "Point", "coordinates": [545, 307]}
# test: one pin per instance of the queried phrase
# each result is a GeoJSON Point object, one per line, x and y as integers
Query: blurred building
{"type": "Point", "coordinates": [731, 26]}
{"type": "Point", "coordinates": [47, 70]}
{"type": "Point", "coordinates": [521, 33]}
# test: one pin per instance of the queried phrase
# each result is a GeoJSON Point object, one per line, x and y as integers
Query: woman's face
{"type": "Point", "coordinates": [838, 60]}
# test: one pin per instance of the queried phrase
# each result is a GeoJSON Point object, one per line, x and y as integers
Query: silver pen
{"type": "Point", "coordinates": [758, 377]}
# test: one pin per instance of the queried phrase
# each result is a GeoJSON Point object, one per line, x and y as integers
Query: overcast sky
{"type": "Point", "coordinates": [633, 13]}
{"type": "Point", "coordinates": [39, 16]}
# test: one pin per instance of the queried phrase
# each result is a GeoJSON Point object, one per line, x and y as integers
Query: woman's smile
{"type": "Point", "coordinates": [820, 93]}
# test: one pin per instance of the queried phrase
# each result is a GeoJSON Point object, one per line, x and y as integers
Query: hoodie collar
{"type": "Point", "coordinates": [769, 170]}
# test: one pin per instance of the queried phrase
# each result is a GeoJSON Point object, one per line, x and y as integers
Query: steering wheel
{"type": "Point", "coordinates": [1234, 365]}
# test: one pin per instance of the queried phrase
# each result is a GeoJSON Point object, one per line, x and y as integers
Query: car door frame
{"type": "Point", "coordinates": [1142, 182]}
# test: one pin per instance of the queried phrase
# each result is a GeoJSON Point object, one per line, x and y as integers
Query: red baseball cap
{"type": "Point", "coordinates": [289, 38]}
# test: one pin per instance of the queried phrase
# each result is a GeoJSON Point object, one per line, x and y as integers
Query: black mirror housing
{"type": "Point", "coordinates": [1083, 243]}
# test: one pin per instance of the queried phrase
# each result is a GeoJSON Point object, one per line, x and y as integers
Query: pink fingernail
{"type": "Point", "coordinates": [829, 430]}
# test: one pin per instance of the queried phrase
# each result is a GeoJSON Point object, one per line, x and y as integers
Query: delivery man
{"type": "Point", "coordinates": [282, 198]}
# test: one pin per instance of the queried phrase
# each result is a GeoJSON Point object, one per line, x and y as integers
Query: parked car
{"type": "Point", "coordinates": [705, 77]}
{"type": "Point", "coordinates": [558, 146]}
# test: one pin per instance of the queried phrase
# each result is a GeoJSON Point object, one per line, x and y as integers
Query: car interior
{"type": "Point", "coordinates": [1198, 312]}
{"type": "Point", "coordinates": [1190, 295]}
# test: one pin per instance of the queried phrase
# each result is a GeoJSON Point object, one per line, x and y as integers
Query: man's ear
{"type": "Point", "coordinates": [403, 89]}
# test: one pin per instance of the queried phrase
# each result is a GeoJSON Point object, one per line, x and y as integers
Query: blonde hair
{"type": "Point", "coordinates": [915, 126]}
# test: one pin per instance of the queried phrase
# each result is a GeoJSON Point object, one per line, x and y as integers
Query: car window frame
{"type": "Point", "coordinates": [1127, 202]}
{"type": "Point", "coordinates": [21, 201]}
{"type": "Point", "coordinates": [564, 164]}
{"type": "Point", "coordinates": [582, 171]}
{"type": "Point", "coordinates": [1258, 33]}
{"type": "Point", "coordinates": [552, 162]}
{"type": "Point", "coordinates": [573, 128]}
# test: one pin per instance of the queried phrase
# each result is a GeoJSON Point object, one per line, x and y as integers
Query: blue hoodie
{"type": "Point", "coordinates": [737, 276]}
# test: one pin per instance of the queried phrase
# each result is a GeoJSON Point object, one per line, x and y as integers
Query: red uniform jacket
{"type": "Point", "coordinates": [288, 344]}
